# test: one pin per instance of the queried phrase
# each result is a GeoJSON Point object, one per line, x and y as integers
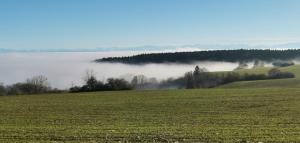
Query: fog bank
{"type": "Point", "coordinates": [67, 68]}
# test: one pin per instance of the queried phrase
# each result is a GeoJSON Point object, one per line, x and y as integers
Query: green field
{"type": "Point", "coordinates": [249, 111]}
{"type": "Point", "coordinates": [208, 115]}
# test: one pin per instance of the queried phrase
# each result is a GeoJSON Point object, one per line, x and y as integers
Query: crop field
{"type": "Point", "coordinates": [208, 115]}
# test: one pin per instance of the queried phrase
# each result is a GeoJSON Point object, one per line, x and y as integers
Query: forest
{"type": "Point", "coordinates": [245, 55]}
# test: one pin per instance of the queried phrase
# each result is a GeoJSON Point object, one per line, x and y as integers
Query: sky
{"type": "Point", "coordinates": [79, 24]}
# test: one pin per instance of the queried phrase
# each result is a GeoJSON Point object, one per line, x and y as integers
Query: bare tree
{"type": "Point", "coordinates": [38, 80]}
{"type": "Point", "coordinates": [89, 73]}
{"type": "Point", "coordinates": [37, 84]}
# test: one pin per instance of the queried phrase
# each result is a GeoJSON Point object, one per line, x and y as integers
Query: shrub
{"type": "Point", "coordinates": [75, 89]}
{"type": "Point", "coordinates": [250, 77]}
{"type": "Point", "coordinates": [2, 90]}
{"type": "Point", "coordinates": [283, 63]}
{"type": "Point", "coordinates": [277, 74]}
{"type": "Point", "coordinates": [13, 90]}
{"type": "Point", "coordinates": [118, 84]}
{"type": "Point", "coordinates": [92, 84]}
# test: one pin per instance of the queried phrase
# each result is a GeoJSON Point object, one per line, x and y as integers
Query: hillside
{"type": "Point", "coordinates": [213, 55]}
{"type": "Point", "coordinates": [210, 115]}
{"type": "Point", "coordinates": [288, 83]}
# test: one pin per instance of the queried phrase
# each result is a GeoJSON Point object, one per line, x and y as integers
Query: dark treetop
{"type": "Point", "coordinates": [216, 55]}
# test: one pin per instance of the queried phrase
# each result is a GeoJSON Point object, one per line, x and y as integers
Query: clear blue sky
{"type": "Point", "coordinates": [44, 24]}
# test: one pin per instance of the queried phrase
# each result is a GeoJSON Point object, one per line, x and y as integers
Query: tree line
{"type": "Point", "coordinates": [244, 55]}
{"type": "Point", "coordinates": [201, 78]}
{"type": "Point", "coordinates": [198, 78]}
{"type": "Point", "coordinates": [35, 85]}
{"type": "Point", "coordinates": [93, 84]}
{"type": "Point", "coordinates": [112, 84]}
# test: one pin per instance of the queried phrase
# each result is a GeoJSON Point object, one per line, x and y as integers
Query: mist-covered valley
{"type": "Point", "coordinates": [68, 68]}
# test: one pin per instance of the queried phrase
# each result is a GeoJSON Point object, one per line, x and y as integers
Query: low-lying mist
{"type": "Point", "coordinates": [66, 69]}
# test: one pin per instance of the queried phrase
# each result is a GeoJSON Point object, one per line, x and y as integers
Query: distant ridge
{"type": "Point", "coordinates": [208, 55]}
{"type": "Point", "coordinates": [153, 48]}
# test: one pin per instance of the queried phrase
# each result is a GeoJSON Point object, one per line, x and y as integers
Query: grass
{"type": "Point", "coordinates": [253, 111]}
{"type": "Point", "coordinates": [208, 115]}
{"type": "Point", "coordinates": [277, 83]}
